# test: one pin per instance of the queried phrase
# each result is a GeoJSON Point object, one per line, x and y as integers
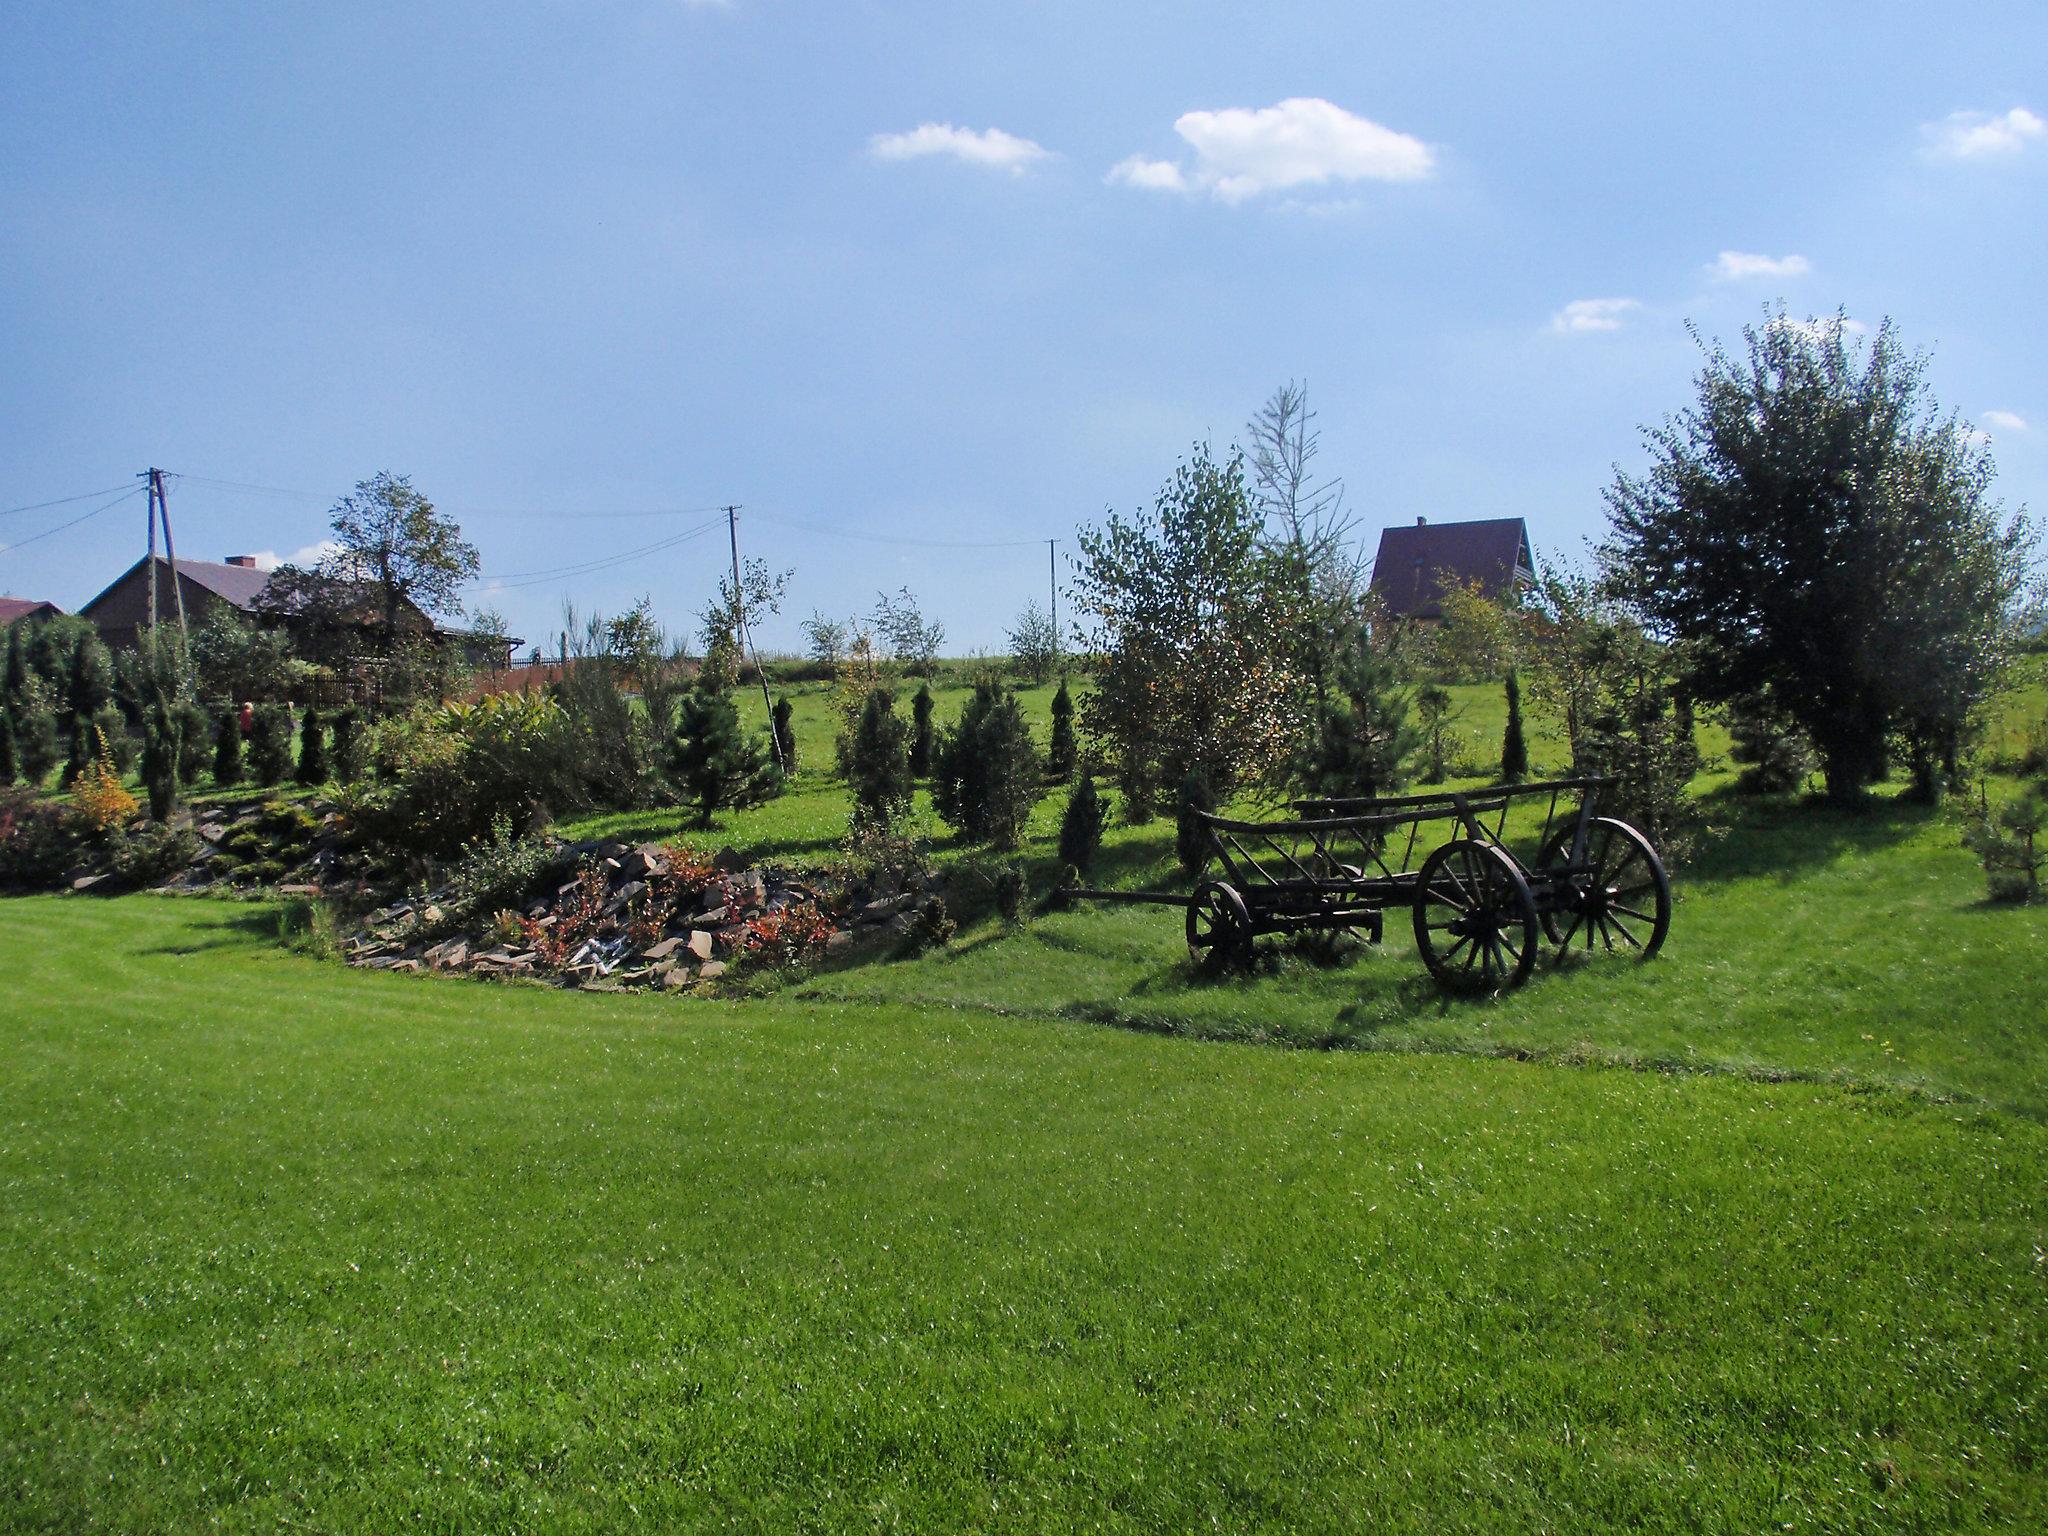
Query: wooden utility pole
{"type": "Point", "coordinates": [746, 636]}
{"type": "Point", "coordinates": [160, 510]}
{"type": "Point", "coordinates": [1052, 581]}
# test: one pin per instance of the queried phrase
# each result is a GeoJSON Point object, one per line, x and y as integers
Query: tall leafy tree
{"type": "Point", "coordinates": [394, 547]}
{"type": "Point", "coordinates": [1816, 527]}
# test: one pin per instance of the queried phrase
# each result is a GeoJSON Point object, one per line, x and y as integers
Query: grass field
{"type": "Point", "coordinates": [924, 1245]}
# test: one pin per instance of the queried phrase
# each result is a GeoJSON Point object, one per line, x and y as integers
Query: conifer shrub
{"type": "Point", "coordinates": [112, 728]}
{"type": "Point", "coordinates": [785, 732]}
{"type": "Point", "coordinates": [1063, 750]}
{"type": "Point", "coordinates": [270, 749]}
{"type": "Point", "coordinates": [1009, 887]}
{"type": "Point", "coordinates": [711, 761]}
{"type": "Point", "coordinates": [878, 763]}
{"type": "Point", "coordinates": [1514, 747]}
{"type": "Point", "coordinates": [1082, 823]}
{"type": "Point", "coordinates": [1775, 755]}
{"type": "Point", "coordinates": [1190, 838]}
{"type": "Point", "coordinates": [921, 732]}
{"type": "Point", "coordinates": [312, 765]}
{"type": "Point", "coordinates": [195, 734]}
{"type": "Point", "coordinates": [160, 764]}
{"type": "Point", "coordinates": [10, 766]}
{"type": "Point", "coordinates": [39, 839]}
{"type": "Point", "coordinates": [227, 749]}
{"type": "Point", "coordinates": [35, 746]}
{"type": "Point", "coordinates": [346, 751]}
{"type": "Point", "coordinates": [2012, 845]}
{"type": "Point", "coordinates": [986, 772]}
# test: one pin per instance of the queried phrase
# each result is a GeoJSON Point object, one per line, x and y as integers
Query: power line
{"type": "Point", "coordinates": [108, 506]}
{"type": "Point", "coordinates": [61, 501]}
{"type": "Point", "coordinates": [517, 579]}
{"type": "Point", "coordinates": [888, 538]}
{"type": "Point", "coordinates": [456, 511]}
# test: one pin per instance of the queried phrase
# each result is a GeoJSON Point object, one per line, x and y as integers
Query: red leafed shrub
{"type": "Point", "coordinates": [577, 916]}
{"type": "Point", "coordinates": [690, 870]}
{"type": "Point", "coordinates": [786, 935]}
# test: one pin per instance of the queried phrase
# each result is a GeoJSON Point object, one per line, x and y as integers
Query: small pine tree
{"type": "Point", "coordinates": [1514, 749]}
{"type": "Point", "coordinates": [35, 746]}
{"type": "Point", "coordinates": [270, 749]}
{"type": "Point", "coordinates": [10, 768]}
{"type": "Point", "coordinates": [346, 750]}
{"type": "Point", "coordinates": [878, 764]}
{"type": "Point", "coordinates": [160, 763]}
{"type": "Point", "coordinates": [712, 761]}
{"type": "Point", "coordinates": [921, 733]}
{"type": "Point", "coordinates": [89, 688]}
{"type": "Point", "coordinates": [227, 750]}
{"type": "Point", "coordinates": [1064, 749]}
{"type": "Point", "coordinates": [1433, 708]}
{"type": "Point", "coordinates": [193, 731]}
{"type": "Point", "coordinates": [80, 756]}
{"type": "Point", "coordinates": [1365, 742]}
{"type": "Point", "coordinates": [14, 680]}
{"type": "Point", "coordinates": [1190, 837]}
{"type": "Point", "coordinates": [785, 733]}
{"type": "Point", "coordinates": [1081, 826]}
{"type": "Point", "coordinates": [312, 768]}
{"type": "Point", "coordinates": [986, 773]}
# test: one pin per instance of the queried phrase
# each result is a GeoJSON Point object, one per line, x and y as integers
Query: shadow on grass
{"type": "Point", "coordinates": [246, 927]}
{"type": "Point", "coordinates": [1782, 838]}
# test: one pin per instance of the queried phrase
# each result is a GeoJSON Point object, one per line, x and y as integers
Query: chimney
{"type": "Point", "coordinates": [1422, 522]}
{"type": "Point", "coordinates": [246, 562]}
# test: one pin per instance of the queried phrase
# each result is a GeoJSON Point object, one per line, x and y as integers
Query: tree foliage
{"type": "Point", "coordinates": [1814, 526]}
{"type": "Point", "coordinates": [912, 639]}
{"type": "Point", "coordinates": [713, 762]}
{"type": "Point", "coordinates": [1062, 749]}
{"type": "Point", "coordinates": [1366, 742]}
{"type": "Point", "coordinates": [1081, 824]}
{"type": "Point", "coordinates": [986, 771]}
{"type": "Point", "coordinates": [1034, 643]}
{"type": "Point", "coordinates": [878, 766]}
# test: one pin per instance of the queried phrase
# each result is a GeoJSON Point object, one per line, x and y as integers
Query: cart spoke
{"type": "Point", "coordinates": [1646, 917]}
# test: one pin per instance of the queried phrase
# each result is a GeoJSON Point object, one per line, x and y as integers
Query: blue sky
{"type": "Point", "coordinates": [955, 273]}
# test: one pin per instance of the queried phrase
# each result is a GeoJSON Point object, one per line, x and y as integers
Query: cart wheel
{"type": "Point", "coordinates": [1621, 895]}
{"type": "Point", "coordinates": [1475, 921]}
{"type": "Point", "coordinates": [1219, 929]}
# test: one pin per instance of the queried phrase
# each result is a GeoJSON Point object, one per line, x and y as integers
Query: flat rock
{"type": "Point", "coordinates": [711, 970]}
{"type": "Point", "coordinates": [663, 950]}
{"type": "Point", "coordinates": [700, 943]}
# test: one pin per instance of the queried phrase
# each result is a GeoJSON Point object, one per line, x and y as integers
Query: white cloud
{"type": "Point", "coordinates": [1971, 437]}
{"type": "Point", "coordinates": [2005, 421]}
{"type": "Point", "coordinates": [1302, 142]}
{"type": "Point", "coordinates": [1584, 315]}
{"type": "Point", "coordinates": [1734, 266]}
{"type": "Point", "coordinates": [1816, 330]}
{"type": "Point", "coordinates": [1154, 175]}
{"type": "Point", "coordinates": [988, 147]}
{"type": "Point", "coordinates": [1984, 135]}
{"type": "Point", "coordinates": [304, 559]}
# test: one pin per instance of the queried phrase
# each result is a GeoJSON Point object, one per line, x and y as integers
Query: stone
{"type": "Point", "coordinates": [728, 860]}
{"type": "Point", "coordinates": [298, 890]}
{"type": "Point", "coordinates": [840, 942]}
{"type": "Point", "coordinates": [711, 970]}
{"type": "Point", "coordinates": [678, 977]}
{"type": "Point", "coordinates": [714, 916]}
{"type": "Point", "coordinates": [86, 882]}
{"type": "Point", "coordinates": [662, 950]}
{"type": "Point", "coordinates": [700, 943]}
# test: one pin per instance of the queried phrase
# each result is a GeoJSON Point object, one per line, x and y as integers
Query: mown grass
{"type": "Point", "coordinates": [291, 1247]}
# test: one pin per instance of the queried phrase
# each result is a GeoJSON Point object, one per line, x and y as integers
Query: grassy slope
{"type": "Point", "coordinates": [287, 1246]}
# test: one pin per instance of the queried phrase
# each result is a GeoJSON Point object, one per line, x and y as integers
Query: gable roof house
{"type": "Point", "coordinates": [121, 612]}
{"type": "Point", "coordinates": [15, 609]}
{"type": "Point", "coordinates": [1417, 565]}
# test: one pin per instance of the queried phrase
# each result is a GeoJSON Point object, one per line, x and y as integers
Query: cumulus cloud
{"type": "Point", "coordinates": [2005, 421]}
{"type": "Point", "coordinates": [1734, 266]}
{"type": "Point", "coordinates": [305, 559]}
{"type": "Point", "coordinates": [1304, 141]}
{"type": "Point", "coordinates": [1984, 135]}
{"type": "Point", "coordinates": [990, 148]}
{"type": "Point", "coordinates": [1584, 315]}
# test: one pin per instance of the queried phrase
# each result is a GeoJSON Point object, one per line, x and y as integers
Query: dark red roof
{"type": "Point", "coordinates": [1418, 562]}
{"type": "Point", "coordinates": [12, 608]}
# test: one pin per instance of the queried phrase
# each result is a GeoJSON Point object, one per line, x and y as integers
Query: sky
{"type": "Point", "coordinates": [920, 286]}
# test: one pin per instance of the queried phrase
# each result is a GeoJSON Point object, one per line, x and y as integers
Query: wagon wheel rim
{"type": "Point", "coordinates": [1475, 920]}
{"type": "Point", "coordinates": [1219, 929]}
{"type": "Point", "coordinates": [1621, 903]}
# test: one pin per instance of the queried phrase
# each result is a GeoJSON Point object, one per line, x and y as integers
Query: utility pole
{"type": "Point", "coordinates": [1052, 581]}
{"type": "Point", "coordinates": [160, 509]}
{"type": "Point", "coordinates": [746, 636]}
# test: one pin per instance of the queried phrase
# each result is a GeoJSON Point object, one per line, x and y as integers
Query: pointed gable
{"type": "Point", "coordinates": [1418, 563]}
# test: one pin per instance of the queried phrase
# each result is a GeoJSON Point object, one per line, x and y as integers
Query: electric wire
{"type": "Point", "coordinates": [61, 501]}
{"type": "Point", "coordinates": [36, 538]}
{"type": "Point", "coordinates": [518, 579]}
{"type": "Point", "coordinates": [890, 538]}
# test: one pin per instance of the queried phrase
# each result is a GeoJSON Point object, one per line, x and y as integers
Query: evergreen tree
{"type": "Point", "coordinates": [90, 685]}
{"type": "Point", "coordinates": [1081, 825]}
{"type": "Point", "coordinates": [227, 750]}
{"type": "Point", "coordinates": [347, 754]}
{"type": "Point", "coordinates": [1365, 742]}
{"type": "Point", "coordinates": [312, 768]}
{"type": "Point", "coordinates": [921, 736]}
{"type": "Point", "coordinates": [112, 725]}
{"type": "Point", "coordinates": [193, 730]}
{"type": "Point", "coordinates": [986, 773]}
{"type": "Point", "coordinates": [878, 766]}
{"type": "Point", "coordinates": [35, 746]}
{"type": "Point", "coordinates": [1433, 707]}
{"type": "Point", "coordinates": [10, 769]}
{"type": "Point", "coordinates": [785, 732]}
{"type": "Point", "coordinates": [1190, 837]}
{"type": "Point", "coordinates": [14, 680]}
{"type": "Point", "coordinates": [270, 748]}
{"type": "Point", "coordinates": [160, 763]}
{"type": "Point", "coordinates": [711, 759]}
{"type": "Point", "coordinates": [1063, 748]}
{"type": "Point", "coordinates": [80, 757]}
{"type": "Point", "coordinates": [1514, 750]}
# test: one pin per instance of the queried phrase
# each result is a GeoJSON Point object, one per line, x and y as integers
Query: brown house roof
{"type": "Point", "coordinates": [239, 584]}
{"type": "Point", "coordinates": [1417, 564]}
{"type": "Point", "coordinates": [12, 608]}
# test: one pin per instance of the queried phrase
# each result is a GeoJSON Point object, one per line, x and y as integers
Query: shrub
{"type": "Point", "coordinates": [986, 774]}
{"type": "Point", "coordinates": [113, 738]}
{"type": "Point", "coordinates": [933, 927]}
{"type": "Point", "coordinates": [270, 745]}
{"type": "Point", "coordinates": [194, 729]}
{"type": "Point", "coordinates": [10, 767]}
{"type": "Point", "coordinates": [1010, 888]}
{"type": "Point", "coordinates": [100, 796]}
{"type": "Point", "coordinates": [1514, 747]}
{"type": "Point", "coordinates": [787, 936]}
{"type": "Point", "coordinates": [1063, 749]}
{"type": "Point", "coordinates": [450, 774]}
{"type": "Point", "coordinates": [785, 732]}
{"type": "Point", "coordinates": [35, 745]}
{"type": "Point", "coordinates": [1081, 826]}
{"type": "Point", "coordinates": [880, 857]}
{"type": "Point", "coordinates": [577, 915]}
{"type": "Point", "coordinates": [39, 839]}
{"type": "Point", "coordinates": [160, 764]}
{"type": "Point", "coordinates": [1775, 753]}
{"type": "Point", "coordinates": [712, 761]}
{"type": "Point", "coordinates": [2010, 846]}
{"type": "Point", "coordinates": [1190, 837]}
{"type": "Point", "coordinates": [1433, 708]}
{"type": "Point", "coordinates": [501, 870]}
{"type": "Point", "coordinates": [312, 768]}
{"type": "Point", "coordinates": [346, 753]}
{"type": "Point", "coordinates": [227, 749]}
{"type": "Point", "coordinates": [878, 768]}
{"type": "Point", "coordinates": [921, 741]}
{"type": "Point", "coordinates": [153, 852]}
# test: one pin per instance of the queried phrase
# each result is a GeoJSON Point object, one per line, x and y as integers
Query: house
{"type": "Point", "coordinates": [121, 612]}
{"type": "Point", "coordinates": [14, 609]}
{"type": "Point", "coordinates": [1417, 565]}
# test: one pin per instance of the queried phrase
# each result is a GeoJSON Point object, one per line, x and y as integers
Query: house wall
{"type": "Point", "coordinates": [122, 611]}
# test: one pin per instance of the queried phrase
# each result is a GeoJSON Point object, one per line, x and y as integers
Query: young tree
{"type": "Point", "coordinates": [1178, 605]}
{"type": "Point", "coordinates": [160, 740]}
{"type": "Point", "coordinates": [270, 748]}
{"type": "Point", "coordinates": [89, 686]}
{"type": "Point", "coordinates": [824, 639]}
{"type": "Point", "coordinates": [911, 639]}
{"type": "Point", "coordinates": [713, 761]}
{"type": "Point", "coordinates": [1772, 751]}
{"type": "Point", "coordinates": [1514, 747]}
{"type": "Point", "coordinates": [986, 773]}
{"type": "Point", "coordinates": [1190, 838]}
{"type": "Point", "coordinates": [878, 767]}
{"type": "Point", "coordinates": [1813, 525]}
{"type": "Point", "coordinates": [347, 751]}
{"type": "Point", "coordinates": [921, 729]}
{"type": "Point", "coordinates": [391, 544]}
{"type": "Point", "coordinates": [1433, 709]}
{"type": "Point", "coordinates": [1034, 643]}
{"type": "Point", "coordinates": [1366, 742]}
{"type": "Point", "coordinates": [1082, 823]}
{"type": "Point", "coordinates": [10, 765]}
{"type": "Point", "coordinates": [1062, 751]}
{"type": "Point", "coordinates": [785, 731]}
{"type": "Point", "coordinates": [14, 676]}
{"type": "Point", "coordinates": [227, 749]}
{"type": "Point", "coordinates": [35, 746]}
{"type": "Point", "coordinates": [312, 767]}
